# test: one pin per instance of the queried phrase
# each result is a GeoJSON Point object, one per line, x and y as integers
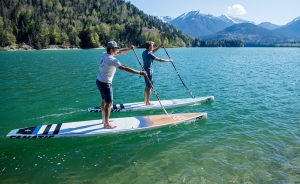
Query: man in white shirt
{"type": "Point", "coordinates": [107, 70]}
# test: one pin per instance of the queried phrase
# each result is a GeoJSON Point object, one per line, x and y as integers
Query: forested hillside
{"type": "Point", "coordinates": [83, 23]}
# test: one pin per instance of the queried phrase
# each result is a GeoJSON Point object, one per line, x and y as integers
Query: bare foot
{"type": "Point", "coordinates": [149, 103]}
{"type": "Point", "coordinates": [108, 126]}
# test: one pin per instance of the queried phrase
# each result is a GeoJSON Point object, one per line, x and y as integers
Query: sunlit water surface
{"type": "Point", "coordinates": [252, 134]}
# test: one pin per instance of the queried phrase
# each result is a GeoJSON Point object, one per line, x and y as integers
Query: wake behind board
{"type": "Point", "coordinates": [95, 127]}
{"type": "Point", "coordinates": [140, 106]}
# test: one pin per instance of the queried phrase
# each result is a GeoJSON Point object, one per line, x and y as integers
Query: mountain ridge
{"type": "Point", "coordinates": [203, 25]}
{"type": "Point", "coordinates": [269, 25]}
{"type": "Point", "coordinates": [198, 23]}
{"type": "Point", "coordinates": [292, 29]}
{"type": "Point", "coordinates": [248, 33]}
{"type": "Point", "coordinates": [233, 20]}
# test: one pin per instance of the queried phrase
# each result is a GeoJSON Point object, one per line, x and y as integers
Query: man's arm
{"type": "Point", "coordinates": [130, 70]}
{"type": "Point", "coordinates": [125, 50]}
{"type": "Point", "coordinates": [156, 49]}
{"type": "Point", "coordinates": [163, 60]}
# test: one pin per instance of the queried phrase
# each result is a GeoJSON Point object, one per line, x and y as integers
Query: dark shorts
{"type": "Point", "coordinates": [147, 82]}
{"type": "Point", "coordinates": [106, 91]}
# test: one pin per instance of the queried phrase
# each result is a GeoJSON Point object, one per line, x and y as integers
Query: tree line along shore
{"type": "Point", "coordinates": [83, 24]}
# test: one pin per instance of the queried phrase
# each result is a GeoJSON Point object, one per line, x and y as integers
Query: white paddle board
{"type": "Point", "coordinates": [140, 106]}
{"type": "Point", "coordinates": [95, 127]}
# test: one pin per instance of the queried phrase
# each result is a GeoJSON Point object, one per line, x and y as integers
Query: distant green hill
{"type": "Point", "coordinates": [82, 23]}
{"type": "Point", "coordinates": [248, 33]}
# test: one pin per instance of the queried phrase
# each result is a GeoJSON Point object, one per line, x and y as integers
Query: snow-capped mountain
{"type": "Point", "coordinates": [192, 14]}
{"type": "Point", "coordinates": [199, 23]}
{"type": "Point", "coordinates": [291, 29]}
{"type": "Point", "coordinates": [293, 21]}
{"type": "Point", "coordinates": [233, 20]}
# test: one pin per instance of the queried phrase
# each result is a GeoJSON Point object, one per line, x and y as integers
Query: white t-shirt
{"type": "Point", "coordinates": [107, 68]}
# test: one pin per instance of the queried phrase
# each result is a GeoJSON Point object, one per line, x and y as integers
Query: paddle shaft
{"type": "Point", "coordinates": [150, 83]}
{"type": "Point", "coordinates": [192, 95]}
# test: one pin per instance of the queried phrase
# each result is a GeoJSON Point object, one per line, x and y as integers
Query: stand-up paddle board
{"type": "Point", "coordinates": [140, 106]}
{"type": "Point", "coordinates": [95, 127]}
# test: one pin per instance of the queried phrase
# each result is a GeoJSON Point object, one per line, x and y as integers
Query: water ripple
{"type": "Point", "coordinates": [251, 134]}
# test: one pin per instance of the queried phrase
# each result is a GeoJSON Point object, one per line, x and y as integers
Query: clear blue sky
{"type": "Point", "coordinates": [277, 12]}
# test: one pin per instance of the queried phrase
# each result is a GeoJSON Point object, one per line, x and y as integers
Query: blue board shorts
{"type": "Point", "coordinates": [147, 82]}
{"type": "Point", "coordinates": [106, 91]}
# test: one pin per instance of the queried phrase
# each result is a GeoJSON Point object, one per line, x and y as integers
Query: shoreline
{"type": "Point", "coordinates": [25, 47]}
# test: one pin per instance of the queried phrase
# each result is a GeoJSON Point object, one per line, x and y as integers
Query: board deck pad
{"type": "Point", "coordinates": [140, 106]}
{"type": "Point", "coordinates": [95, 127]}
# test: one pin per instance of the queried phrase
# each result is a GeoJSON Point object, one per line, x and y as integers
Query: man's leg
{"type": "Point", "coordinates": [105, 115]}
{"type": "Point", "coordinates": [147, 92]}
{"type": "Point", "coordinates": [103, 112]}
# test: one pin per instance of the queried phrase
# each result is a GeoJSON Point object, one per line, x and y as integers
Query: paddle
{"type": "Point", "coordinates": [150, 83]}
{"type": "Point", "coordinates": [192, 95]}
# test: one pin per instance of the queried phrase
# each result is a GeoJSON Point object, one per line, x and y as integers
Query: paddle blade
{"type": "Point", "coordinates": [191, 93]}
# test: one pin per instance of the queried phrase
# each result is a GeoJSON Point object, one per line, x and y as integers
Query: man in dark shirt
{"type": "Point", "coordinates": [148, 58]}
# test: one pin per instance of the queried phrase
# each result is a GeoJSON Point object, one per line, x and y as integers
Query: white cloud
{"type": "Point", "coordinates": [236, 9]}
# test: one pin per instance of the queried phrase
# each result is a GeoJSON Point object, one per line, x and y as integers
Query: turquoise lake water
{"type": "Point", "coordinates": [252, 134]}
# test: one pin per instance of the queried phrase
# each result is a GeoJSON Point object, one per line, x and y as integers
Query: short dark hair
{"type": "Point", "coordinates": [148, 44]}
